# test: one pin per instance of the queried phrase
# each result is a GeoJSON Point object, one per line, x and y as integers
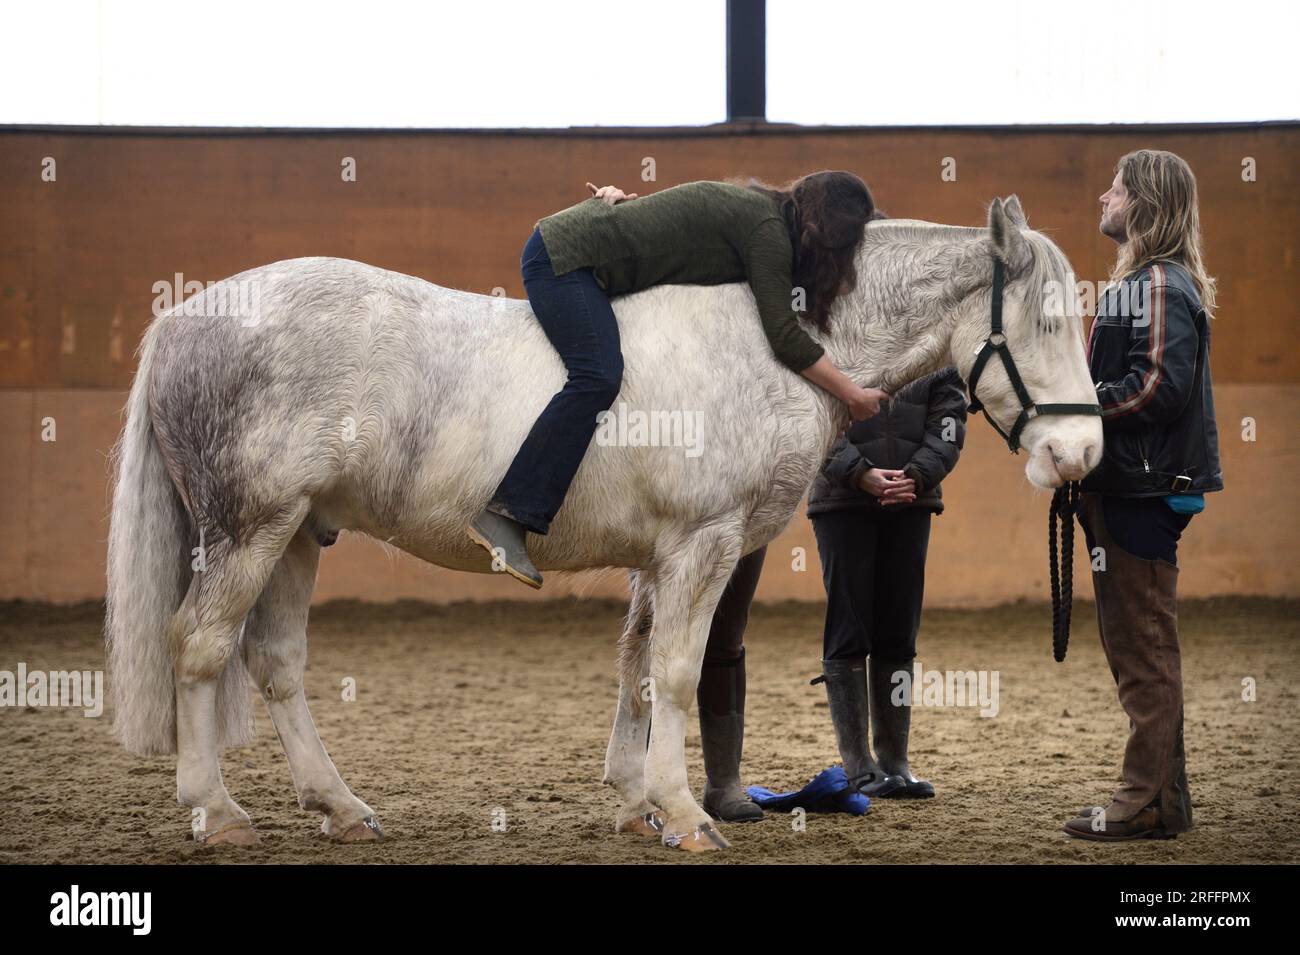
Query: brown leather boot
{"type": "Point", "coordinates": [1098, 828]}
{"type": "Point", "coordinates": [1137, 615]}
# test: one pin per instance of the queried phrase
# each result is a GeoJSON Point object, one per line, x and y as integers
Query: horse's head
{"type": "Point", "coordinates": [1043, 331]}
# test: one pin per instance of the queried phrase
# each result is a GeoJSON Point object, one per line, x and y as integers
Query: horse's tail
{"type": "Point", "coordinates": [148, 564]}
{"type": "Point", "coordinates": [149, 572]}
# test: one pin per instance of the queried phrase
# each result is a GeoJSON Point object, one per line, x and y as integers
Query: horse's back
{"type": "Point", "coordinates": [399, 404]}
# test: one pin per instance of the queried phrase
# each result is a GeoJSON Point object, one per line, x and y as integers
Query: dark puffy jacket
{"type": "Point", "coordinates": [921, 430]}
{"type": "Point", "coordinates": [1149, 353]}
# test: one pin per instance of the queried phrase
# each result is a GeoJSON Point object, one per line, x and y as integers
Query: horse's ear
{"type": "Point", "coordinates": [1008, 244]}
{"type": "Point", "coordinates": [1016, 214]}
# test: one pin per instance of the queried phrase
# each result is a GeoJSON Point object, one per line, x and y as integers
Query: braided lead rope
{"type": "Point", "coordinates": [1060, 564]}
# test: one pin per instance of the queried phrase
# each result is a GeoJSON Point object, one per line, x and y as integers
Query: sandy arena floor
{"type": "Point", "coordinates": [465, 709]}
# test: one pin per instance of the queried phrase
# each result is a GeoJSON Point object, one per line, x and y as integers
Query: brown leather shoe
{"type": "Point", "coordinates": [1145, 825]}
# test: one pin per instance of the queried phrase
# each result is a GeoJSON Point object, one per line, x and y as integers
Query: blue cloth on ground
{"type": "Point", "coordinates": [828, 792]}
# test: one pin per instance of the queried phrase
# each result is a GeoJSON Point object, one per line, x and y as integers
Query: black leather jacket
{"type": "Point", "coordinates": [921, 430]}
{"type": "Point", "coordinates": [1149, 353]}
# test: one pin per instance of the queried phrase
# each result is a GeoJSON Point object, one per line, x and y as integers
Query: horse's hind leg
{"type": "Point", "coordinates": [275, 650]}
{"type": "Point", "coordinates": [625, 758]}
{"type": "Point", "coordinates": [203, 635]}
{"type": "Point", "coordinates": [689, 580]}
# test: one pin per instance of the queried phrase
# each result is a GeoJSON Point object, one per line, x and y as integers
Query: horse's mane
{"type": "Point", "coordinates": [944, 251]}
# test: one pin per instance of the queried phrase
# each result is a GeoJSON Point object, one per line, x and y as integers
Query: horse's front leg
{"type": "Point", "coordinates": [689, 581]}
{"type": "Point", "coordinates": [625, 757]}
{"type": "Point", "coordinates": [625, 765]}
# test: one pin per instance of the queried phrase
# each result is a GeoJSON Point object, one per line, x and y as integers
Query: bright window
{"type": "Point", "coordinates": [362, 63]}
{"type": "Point", "coordinates": [984, 62]}
{"type": "Point", "coordinates": [497, 63]}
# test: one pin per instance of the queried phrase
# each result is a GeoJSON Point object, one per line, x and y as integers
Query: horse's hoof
{"type": "Point", "coordinates": [651, 824]}
{"type": "Point", "coordinates": [234, 834]}
{"type": "Point", "coordinates": [703, 838]}
{"type": "Point", "coordinates": [367, 830]}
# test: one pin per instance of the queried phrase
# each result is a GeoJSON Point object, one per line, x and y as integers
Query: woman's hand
{"type": "Point", "coordinates": [864, 403]}
{"type": "Point", "coordinates": [612, 195]}
{"type": "Point", "coordinates": [891, 487]}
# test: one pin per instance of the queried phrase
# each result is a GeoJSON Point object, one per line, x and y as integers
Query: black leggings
{"type": "Point", "coordinates": [873, 566]}
{"type": "Point", "coordinates": [727, 634]}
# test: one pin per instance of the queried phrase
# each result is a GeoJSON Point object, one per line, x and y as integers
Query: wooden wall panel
{"type": "Point", "coordinates": [79, 257]}
{"type": "Point", "coordinates": [129, 210]}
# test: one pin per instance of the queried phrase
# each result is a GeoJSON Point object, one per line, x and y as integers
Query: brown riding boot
{"type": "Point", "coordinates": [1137, 615]}
{"type": "Point", "coordinates": [1100, 828]}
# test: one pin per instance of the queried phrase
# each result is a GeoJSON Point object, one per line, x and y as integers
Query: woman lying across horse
{"type": "Point", "coordinates": [793, 245]}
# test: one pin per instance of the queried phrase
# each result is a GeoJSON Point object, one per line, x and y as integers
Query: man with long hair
{"type": "Point", "coordinates": [1149, 352]}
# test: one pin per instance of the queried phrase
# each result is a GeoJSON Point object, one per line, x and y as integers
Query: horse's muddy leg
{"type": "Point", "coordinates": [625, 765]}
{"type": "Point", "coordinates": [203, 636]}
{"type": "Point", "coordinates": [625, 757]}
{"type": "Point", "coordinates": [216, 817]}
{"type": "Point", "coordinates": [687, 587]}
{"type": "Point", "coordinates": [275, 650]}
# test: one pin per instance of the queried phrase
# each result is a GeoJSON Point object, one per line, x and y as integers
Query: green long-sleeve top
{"type": "Point", "coordinates": [699, 233]}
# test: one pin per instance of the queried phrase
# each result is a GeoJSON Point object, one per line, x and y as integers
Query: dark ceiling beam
{"type": "Point", "coordinates": [746, 61]}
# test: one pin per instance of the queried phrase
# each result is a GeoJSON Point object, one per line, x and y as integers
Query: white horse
{"type": "Point", "coordinates": [342, 396]}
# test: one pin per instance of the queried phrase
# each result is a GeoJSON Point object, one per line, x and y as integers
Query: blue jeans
{"type": "Point", "coordinates": [575, 314]}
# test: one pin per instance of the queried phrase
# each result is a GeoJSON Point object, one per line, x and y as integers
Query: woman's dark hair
{"type": "Point", "coordinates": [825, 213]}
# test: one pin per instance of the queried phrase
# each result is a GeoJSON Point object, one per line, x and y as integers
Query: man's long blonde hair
{"type": "Point", "coordinates": [1162, 219]}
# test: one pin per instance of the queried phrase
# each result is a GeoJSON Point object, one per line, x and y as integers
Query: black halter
{"type": "Point", "coordinates": [997, 343]}
{"type": "Point", "coordinates": [1065, 500]}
